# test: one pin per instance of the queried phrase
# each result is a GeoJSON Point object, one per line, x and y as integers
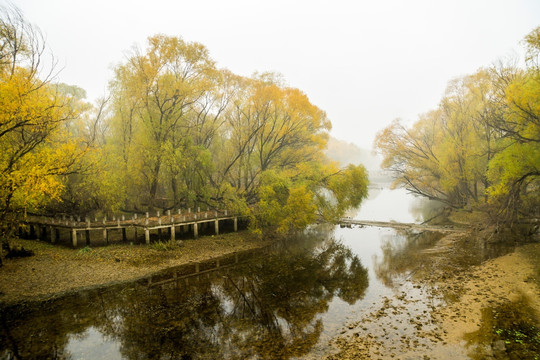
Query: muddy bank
{"type": "Point", "coordinates": [55, 270]}
{"type": "Point", "coordinates": [453, 307]}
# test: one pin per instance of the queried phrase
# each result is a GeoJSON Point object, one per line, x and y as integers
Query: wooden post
{"type": "Point", "coordinates": [197, 267]}
{"type": "Point", "coordinates": [74, 237]}
{"type": "Point", "coordinates": [87, 235]}
{"type": "Point", "coordinates": [195, 230]}
{"type": "Point", "coordinates": [124, 235]}
{"type": "Point", "coordinates": [147, 236]}
{"type": "Point", "coordinates": [235, 224]}
{"type": "Point", "coordinates": [106, 236]}
{"type": "Point", "coordinates": [53, 233]}
{"type": "Point", "coordinates": [173, 235]}
{"type": "Point", "coordinates": [159, 234]}
{"type": "Point", "coordinates": [216, 226]}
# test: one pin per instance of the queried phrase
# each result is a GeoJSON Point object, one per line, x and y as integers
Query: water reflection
{"type": "Point", "coordinates": [384, 204]}
{"type": "Point", "coordinates": [402, 254]}
{"type": "Point", "coordinates": [268, 308]}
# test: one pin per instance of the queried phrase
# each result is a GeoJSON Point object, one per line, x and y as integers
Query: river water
{"type": "Point", "coordinates": [286, 302]}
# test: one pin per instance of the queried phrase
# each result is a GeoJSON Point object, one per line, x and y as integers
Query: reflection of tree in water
{"type": "Point", "coordinates": [264, 309]}
{"type": "Point", "coordinates": [406, 252]}
{"type": "Point", "coordinates": [402, 254]}
{"type": "Point", "coordinates": [431, 211]}
{"type": "Point", "coordinates": [276, 303]}
{"type": "Point", "coordinates": [43, 330]}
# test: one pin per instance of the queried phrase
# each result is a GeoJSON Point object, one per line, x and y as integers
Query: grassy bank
{"type": "Point", "coordinates": [54, 270]}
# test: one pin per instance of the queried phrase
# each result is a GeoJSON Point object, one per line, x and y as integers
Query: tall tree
{"type": "Point", "coordinates": [154, 93]}
{"type": "Point", "coordinates": [38, 147]}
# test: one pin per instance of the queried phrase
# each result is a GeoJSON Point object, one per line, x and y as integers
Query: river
{"type": "Point", "coordinates": [290, 301]}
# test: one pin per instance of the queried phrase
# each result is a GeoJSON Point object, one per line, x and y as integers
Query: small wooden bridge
{"type": "Point", "coordinates": [346, 222]}
{"type": "Point", "coordinates": [44, 227]}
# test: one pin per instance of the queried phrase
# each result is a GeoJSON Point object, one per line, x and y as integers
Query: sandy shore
{"type": "Point", "coordinates": [444, 315]}
{"type": "Point", "coordinates": [55, 270]}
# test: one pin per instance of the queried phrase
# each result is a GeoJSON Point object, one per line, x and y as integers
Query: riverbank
{"type": "Point", "coordinates": [56, 270]}
{"type": "Point", "coordinates": [453, 308]}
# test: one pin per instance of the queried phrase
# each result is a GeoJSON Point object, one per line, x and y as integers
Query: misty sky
{"type": "Point", "coordinates": [364, 62]}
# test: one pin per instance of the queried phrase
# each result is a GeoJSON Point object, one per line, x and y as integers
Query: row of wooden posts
{"type": "Point", "coordinates": [39, 225]}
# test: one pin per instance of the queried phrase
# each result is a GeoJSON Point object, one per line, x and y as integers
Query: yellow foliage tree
{"type": "Point", "coordinates": [37, 147]}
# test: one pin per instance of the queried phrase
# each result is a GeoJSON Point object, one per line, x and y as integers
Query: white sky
{"type": "Point", "coordinates": [364, 62]}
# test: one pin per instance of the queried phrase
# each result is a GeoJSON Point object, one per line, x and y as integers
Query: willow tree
{"type": "Point", "coordinates": [273, 159]}
{"type": "Point", "coordinates": [188, 132]}
{"type": "Point", "coordinates": [154, 93]}
{"type": "Point", "coordinates": [515, 171]}
{"type": "Point", "coordinates": [480, 147]}
{"type": "Point", "coordinates": [444, 155]}
{"type": "Point", "coordinates": [38, 148]}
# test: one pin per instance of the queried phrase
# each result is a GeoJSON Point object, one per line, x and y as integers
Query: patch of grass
{"type": "Point", "coordinates": [84, 250]}
{"type": "Point", "coordinates": [513, 324]}
{"type": "Point", "coordinates": [165, 245]}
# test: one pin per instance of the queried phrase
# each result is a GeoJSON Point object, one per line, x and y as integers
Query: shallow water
{"type": "Point", "coordinates": [285, 302]}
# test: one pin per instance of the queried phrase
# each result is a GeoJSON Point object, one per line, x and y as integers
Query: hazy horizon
{"type": "Point", "coordinates": [364, 63]}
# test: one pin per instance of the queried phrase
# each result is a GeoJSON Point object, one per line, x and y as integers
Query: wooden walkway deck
{"type": "Point", "coordinates": [44, 227]}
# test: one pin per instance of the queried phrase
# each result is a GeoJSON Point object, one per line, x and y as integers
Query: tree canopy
{"type": "Point", "coordinates": [174, 132]}
{"type": "Point", "coordinates": [480, 147]}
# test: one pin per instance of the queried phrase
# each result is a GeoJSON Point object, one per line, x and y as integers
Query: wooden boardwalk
{"type": "Point", "coordinates": [44, 227]}
{"type": "Point", "coordinates": [397, 225]}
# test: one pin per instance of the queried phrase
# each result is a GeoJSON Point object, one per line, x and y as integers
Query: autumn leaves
{"type": "Point", "coordinates": [175, 132]}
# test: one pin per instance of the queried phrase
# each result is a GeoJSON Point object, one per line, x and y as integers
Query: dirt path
{"type": "Point", "coordinates": [452, 311]}
{"type": "Point", "coordinates": [55, 270]}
